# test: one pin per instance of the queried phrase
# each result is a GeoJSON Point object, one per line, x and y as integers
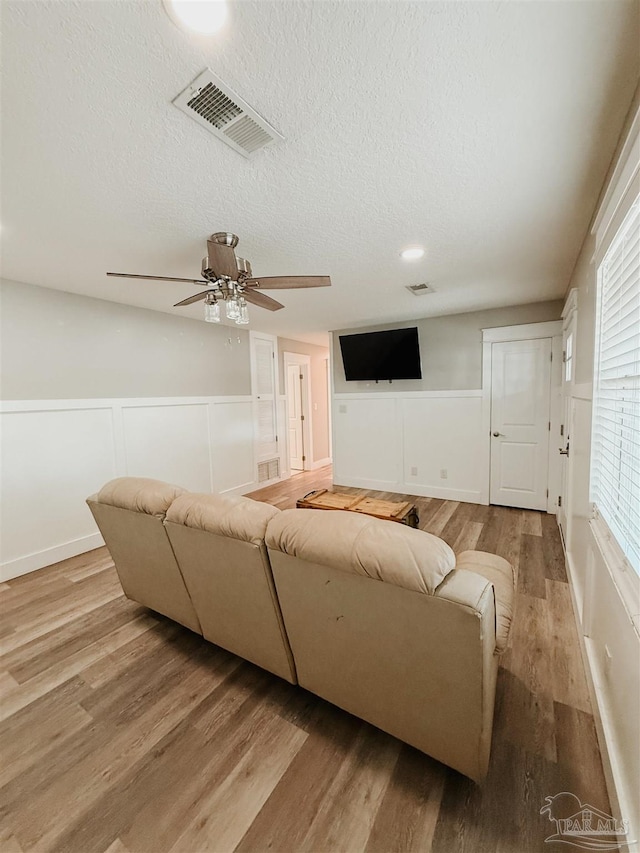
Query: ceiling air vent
{"type": "Point", "coordinates": [419, 289]}
{"type": "Point", "coordinates": [215, 106]}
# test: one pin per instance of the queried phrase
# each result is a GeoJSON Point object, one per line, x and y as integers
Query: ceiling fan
{"type": "Point", "coordinates": [228, 279]}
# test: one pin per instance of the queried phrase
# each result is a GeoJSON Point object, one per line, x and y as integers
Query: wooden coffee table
{"type": "Point", "coordinates": [401, 511]}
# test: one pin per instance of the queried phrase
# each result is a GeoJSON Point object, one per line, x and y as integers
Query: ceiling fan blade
{"type": "Point", "coordinates": [262, 300]}
{"type": "Point", "coordinates": [286, 282]}
{"type": "Point", "coordinates": [156, 277]}
{"type": "Point", "coordinates": [195, 298]}
{"type": "Point", "coordinates": [221, 260]}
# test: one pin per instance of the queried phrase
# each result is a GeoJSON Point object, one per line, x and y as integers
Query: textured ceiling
{"type": "Point", "coordinates": [482, 130]}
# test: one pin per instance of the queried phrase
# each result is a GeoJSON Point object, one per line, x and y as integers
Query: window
{"type": "Point", "coordinates": [615, 447]}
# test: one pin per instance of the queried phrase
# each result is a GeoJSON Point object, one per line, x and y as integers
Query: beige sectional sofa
{"type": "Point", "coordinates": [130, 513]}
{"type": "Point", "coordinates": [219, 545]}
{"type": "Point", "coordinates": [380, 619]}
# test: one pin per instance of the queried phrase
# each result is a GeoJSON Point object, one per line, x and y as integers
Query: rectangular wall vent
{"type": "Point", "coordinates": [419, 289]}
{"type": "Point", "coordinates": [214, 105]}
{"type": "Point", "coordinates": [268, 470]}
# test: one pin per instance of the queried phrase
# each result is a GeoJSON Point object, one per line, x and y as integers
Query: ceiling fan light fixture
{"type": "Point", "coordinates": [412, 253]}
{"type": "Point", "coordinates": [201, 16]}
{"type": "Point", "coordinates": [228, 279]}
{"type": "Point", "coordinates": [211, 311]}
{"type": "Point", "coordinates": [232, 308]}
{"type": "Point", "coordinates": [243, 312]}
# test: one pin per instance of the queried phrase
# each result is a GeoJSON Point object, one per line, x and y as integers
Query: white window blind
{"type": "Point", "coordinates": [615, 445]}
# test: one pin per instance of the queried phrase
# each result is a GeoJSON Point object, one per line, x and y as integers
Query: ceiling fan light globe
{"type": "Point", "coordinates": [201, 16]}
{"type": "Point", "coordinates": [212, 312]}
{"type": "Point", "coordinates": [232, 308]}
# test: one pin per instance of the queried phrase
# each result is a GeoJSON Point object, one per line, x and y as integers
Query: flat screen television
{"type": "Point", "coordinates": [394, 354]}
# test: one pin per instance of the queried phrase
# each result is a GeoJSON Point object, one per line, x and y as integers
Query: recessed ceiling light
{"type": "Point", "coordinates": [412, 253]}
{"type": "Point", "coordinates": [201, 16]}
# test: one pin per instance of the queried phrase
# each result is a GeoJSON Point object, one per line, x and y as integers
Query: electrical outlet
{"type": "Point", "coordinates": [414, 472]}
{"type": "Point", "coordinates": [315, 407]}
{"type": "Point", "coordinates": [443, 474]}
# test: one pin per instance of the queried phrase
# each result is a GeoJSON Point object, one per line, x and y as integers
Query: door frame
{"type": "Point", "coordinates": [273, 339]}
{"type": "Point", "coordinates": [304, 363]}
{"type": "Point", "coordinates": [524, 332]}
{"type": "Point", "coordinates": [329, 405]}
{"type": "Point", "coordinates": [569, 326]}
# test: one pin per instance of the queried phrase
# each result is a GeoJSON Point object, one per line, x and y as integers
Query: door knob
{"type": "Point", "coordinates": [496, 434]}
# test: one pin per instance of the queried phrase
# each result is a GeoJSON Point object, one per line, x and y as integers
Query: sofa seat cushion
{"type": "Point", "coordinates": [383, 550]}
{"type": "Point", "coordinates": [139, 494]}
{"type": "Point", "coordinates": [237, 517]}
{"type": "Point", "coordinates": [502, 575]}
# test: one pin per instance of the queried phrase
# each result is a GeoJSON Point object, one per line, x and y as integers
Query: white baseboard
{"type": "Point", "coordinates": [462, 495]}
{"type": "Point", "coordinates": [32, 562]}
{"type": "Point", "coordinates": [319, 463]}
{"type": "Point", "coordinates": [244, 489]}
{"type": "Point", "coordinates": [360, 483]}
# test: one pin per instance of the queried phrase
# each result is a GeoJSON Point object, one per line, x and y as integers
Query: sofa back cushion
{"type": "Point", "coordinates": [129, 512]}
{"type": "Point", "coordinates": [236, 517]}
{"type": "Point", "coordinates": [383, 550]}
{"type": "Point", "coordinates": [140, 494]}
{"type": "Point", "coordinates": [371, 633]}
{"type": "Point", "coordinates": [219, 544]}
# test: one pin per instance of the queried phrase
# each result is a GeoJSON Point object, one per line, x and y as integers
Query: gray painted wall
{"type": "Point", "coordinates": [57, 345]}
{"type": "Point", "coordinates": [450, 347]}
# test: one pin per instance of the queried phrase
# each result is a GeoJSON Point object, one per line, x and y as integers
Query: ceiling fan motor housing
{"type": "Point", "coordinates": [244, 266]}
{"type": "Point", "coordinates": [230, 278]}
{"type": "Point", "coordinates": [225, 238]}
{"type": "Point", "coordinates": [220, 261]}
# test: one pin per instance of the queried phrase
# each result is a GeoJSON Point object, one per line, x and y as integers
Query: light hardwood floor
{"type": "Point", "coordinates": [122, 731]}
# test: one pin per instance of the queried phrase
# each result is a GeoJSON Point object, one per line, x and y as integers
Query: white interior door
{"type": "Point", "coordinates": [297, 377]}
{"type": "Point", "coordinates": [264, 389]}
{"type": "Point", "coordinates": [520, 401]}
{"type": "Point", "coordinates": [294, 417]}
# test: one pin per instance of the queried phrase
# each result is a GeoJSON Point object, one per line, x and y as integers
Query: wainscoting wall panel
{"type": "Point", "coordinates": [57, 452]}
{"type": "Point", "coordinates": [443, 444]}
{"type": "Point", "coordinates": [179, 451]}
{"type": "Point", "coordinates": [367, 443]}
{"type": "Point", "coordinates": [51, 461]}
{"type": "Point", "coordinates": [430, 443]}
{"type": "Point", "coordinates": [232, 448]}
